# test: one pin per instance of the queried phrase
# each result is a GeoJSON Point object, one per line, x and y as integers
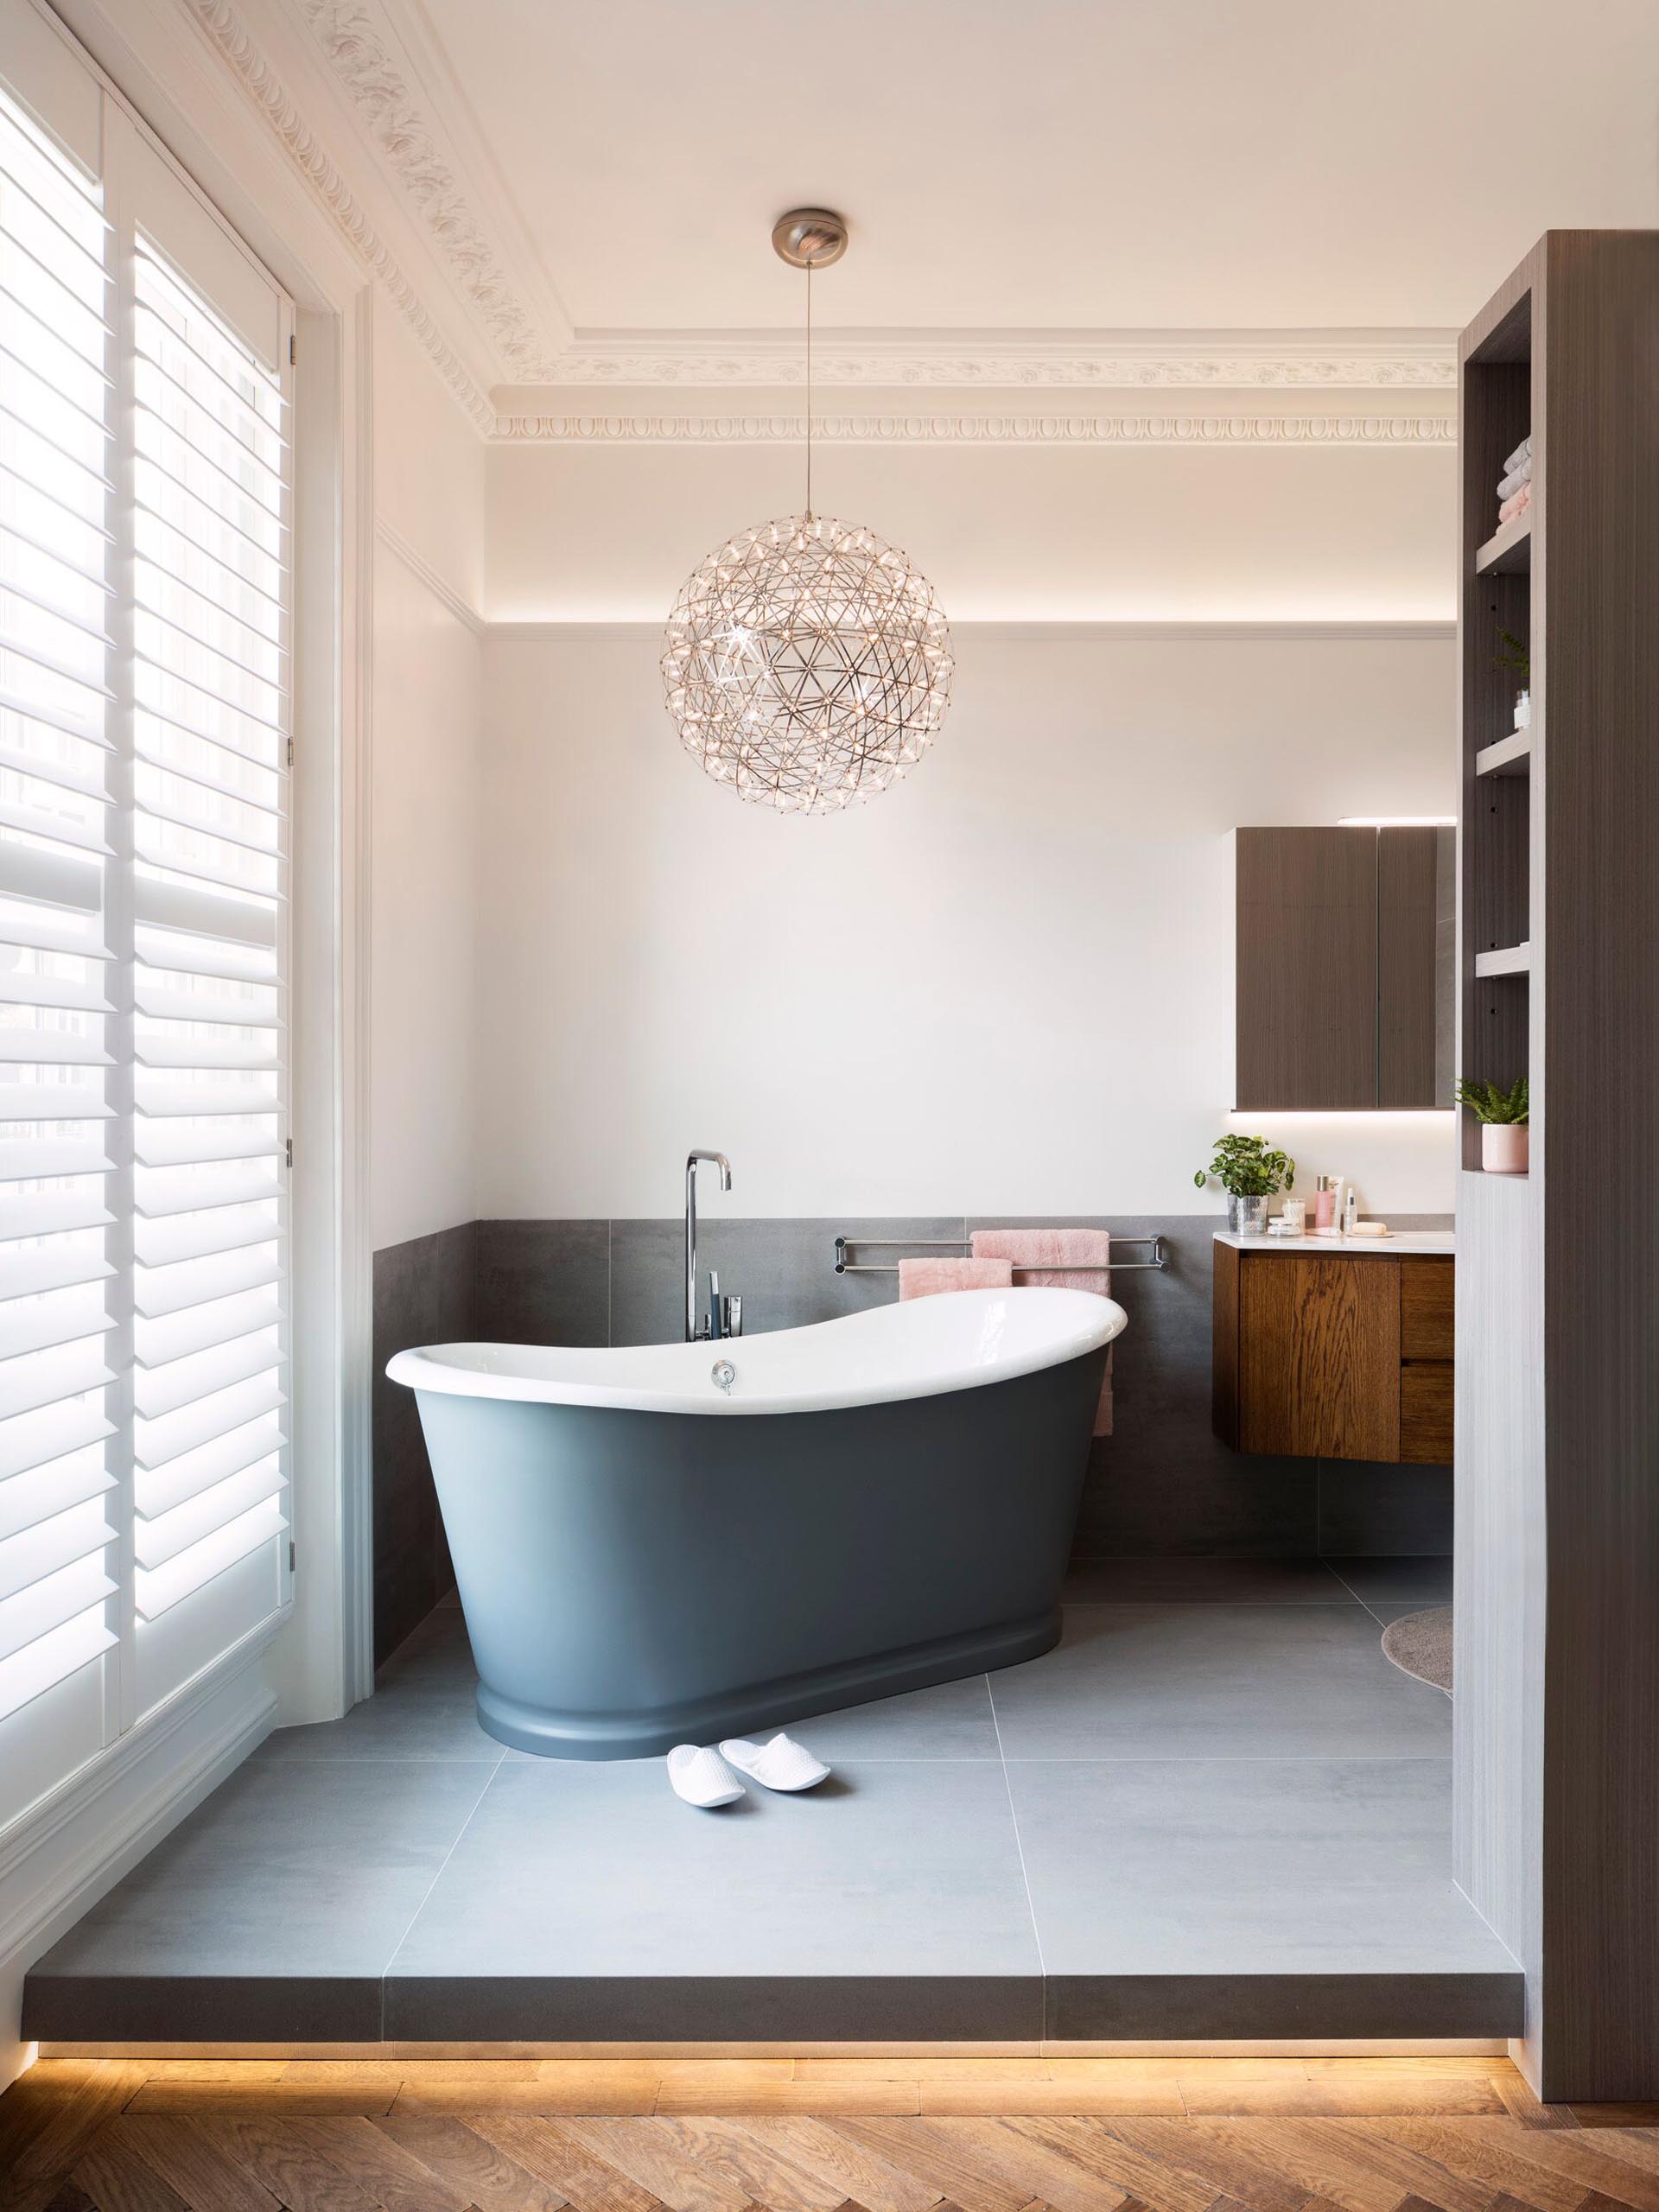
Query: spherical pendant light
{"type": "Point", "coordinates": [808, 664]}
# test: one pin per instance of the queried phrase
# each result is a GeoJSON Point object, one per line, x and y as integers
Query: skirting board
{"type": "Point", "coordinates": [67, 1854]}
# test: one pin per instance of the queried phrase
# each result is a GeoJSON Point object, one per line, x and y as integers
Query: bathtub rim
{"type": "Point", "coordinates": [1079, 1322]}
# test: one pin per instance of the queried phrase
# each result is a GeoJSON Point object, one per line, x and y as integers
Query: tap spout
{"type": "Point", "coordinates": [693, 1327]}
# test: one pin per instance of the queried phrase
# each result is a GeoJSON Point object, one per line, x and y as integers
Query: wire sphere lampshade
{"type": "Point", "coordinates": [808, 664]}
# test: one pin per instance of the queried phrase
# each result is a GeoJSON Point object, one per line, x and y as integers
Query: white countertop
{"type": "Point", "coordinates": [1387, 1248]}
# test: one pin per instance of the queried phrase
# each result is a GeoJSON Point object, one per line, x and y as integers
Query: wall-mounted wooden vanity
{"type": "Point", "coordinates": [1332, 1349]}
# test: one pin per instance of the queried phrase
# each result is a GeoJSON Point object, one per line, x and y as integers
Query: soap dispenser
{"type": "Point", "coordinates": [1325, 1203]}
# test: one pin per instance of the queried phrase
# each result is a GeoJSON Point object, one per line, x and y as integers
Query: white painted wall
{"type": "Point", "coordinates": [429, 483]}
{"type": "Point", "coordinates": [1007, 985]}
{"type": "Point", "coordinates": [427, 711]}
{"type": "Point", "coordinates": [1064, 533]}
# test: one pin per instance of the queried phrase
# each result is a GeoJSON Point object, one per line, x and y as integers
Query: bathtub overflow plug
{"type": "Point", "coordinates": [724, 1375]}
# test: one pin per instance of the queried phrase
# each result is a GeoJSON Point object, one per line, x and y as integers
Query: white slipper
{"type": "Point", "coordinates": [698, 1773]}
{"type": "Point", "coordinates": [781, 1764]}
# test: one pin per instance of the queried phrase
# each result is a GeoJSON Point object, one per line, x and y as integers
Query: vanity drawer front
{"type": "Point", "coordinates": [1426, 1393]}
{"type": "Point", "coordinates": [1427, 1302]}
{"type": "Point", "coordinates": [1319, 1357]}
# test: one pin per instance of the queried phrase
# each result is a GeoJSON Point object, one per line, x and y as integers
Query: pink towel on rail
{"type": "Point", "coordinates": [924, 1278]}
{"type": "Point", "coordinates": [1037, 1256]}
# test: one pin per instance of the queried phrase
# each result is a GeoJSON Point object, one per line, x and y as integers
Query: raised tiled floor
{"type": "Point", "coordinates": [1214, 1809]}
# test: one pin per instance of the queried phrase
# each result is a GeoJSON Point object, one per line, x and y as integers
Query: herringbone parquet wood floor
{"type": "Point", "coordinates": [905, 2135]}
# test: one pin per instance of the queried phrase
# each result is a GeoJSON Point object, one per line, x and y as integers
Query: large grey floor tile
{"type": "Point", "coordinates": [1218, 1681]}
{"type": "Point", "coordinates": [1176, 1867]}
{"type": "Point", "coordinates": [424, 1722]}
{"type": "Point", "coordinates": [1172, 1580]}
{"type": "Point", "coordinates": [571, 1870]}
{"type": "Point", "coordinates": [423, 1706]}
{"type": "Point", "coordinates": [281, 1899]}
{"type": "Point", "coordinates": [1397, 1581]}
{"type": "Point", "coordinates": [952, 1720]}
{"type": "Point", "coordinates": [439, 1650]}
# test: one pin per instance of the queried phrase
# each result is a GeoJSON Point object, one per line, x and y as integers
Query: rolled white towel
{"type": "Point", "coordinates": [1523, 451]}
{"type": "Point", "coordinates": [1515, 479]}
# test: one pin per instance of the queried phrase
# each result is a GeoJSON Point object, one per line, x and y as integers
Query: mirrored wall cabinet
{"type": "Point", "coordinates": [1345, 966]}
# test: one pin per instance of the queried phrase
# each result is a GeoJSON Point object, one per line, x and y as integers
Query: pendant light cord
{"type": "Point", "coordinates": [809, 392]}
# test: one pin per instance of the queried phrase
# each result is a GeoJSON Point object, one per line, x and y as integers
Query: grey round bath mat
{"type": "Point", "coordinates": [1421, 1645]}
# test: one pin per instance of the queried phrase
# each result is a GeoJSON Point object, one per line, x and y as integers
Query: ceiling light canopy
{"type": "Point", "coordinates": [808, 664]}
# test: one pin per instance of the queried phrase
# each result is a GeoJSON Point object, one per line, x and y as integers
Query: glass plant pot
{"type": "Point", "coordinates": [1247, 1217]}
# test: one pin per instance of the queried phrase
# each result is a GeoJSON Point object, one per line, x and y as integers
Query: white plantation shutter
{"type": "Point", "coordinates": [211, 738]}
{"type": "Point", "coordinates": [144, 720]}
{"type": "Point", "coordinates": [57, 1282]}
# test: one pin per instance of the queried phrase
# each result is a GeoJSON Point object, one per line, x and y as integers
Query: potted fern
{"type": "Point", "coordinates": [1502, 1117]}
{"type": "Point", "coordinates": [1249, 1173]}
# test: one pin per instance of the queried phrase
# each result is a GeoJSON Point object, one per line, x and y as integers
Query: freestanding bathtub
{"type": "Point", "coordinates": [676, 1542]}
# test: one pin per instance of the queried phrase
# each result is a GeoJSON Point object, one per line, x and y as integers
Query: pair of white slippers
{"type": "Point", "coordinates": [709, 1779]}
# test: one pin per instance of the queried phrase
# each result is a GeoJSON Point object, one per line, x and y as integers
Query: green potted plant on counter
{"type": "Point", "coordinates": [1250, 1173]}
{"type": "Point", "coordinates": [1503, 1126]}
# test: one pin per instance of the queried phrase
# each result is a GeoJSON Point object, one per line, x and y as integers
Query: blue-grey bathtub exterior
{"type": "Point", "coordinates": [633, 1580]}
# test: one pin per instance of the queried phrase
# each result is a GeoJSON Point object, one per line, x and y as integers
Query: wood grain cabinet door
{"type": "Point", "coordinates": [1428, 1313]}
{"type": "Point", "coordinates": [1319, 1357]}
{"type": "Point", "coordinates": [1305, 1001]}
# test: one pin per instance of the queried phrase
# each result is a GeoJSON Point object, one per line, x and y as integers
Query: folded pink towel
{"type": "Point", "coordinates": [1038, 1254]}
{"type": "Point", "coordinates": [1518, 506]}
{"type": "Point", "coordinates": [925, 1278]}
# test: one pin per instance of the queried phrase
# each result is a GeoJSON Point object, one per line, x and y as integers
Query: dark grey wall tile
{"type": "Point", "coordinates": [1163, 1481]}
{"type": "Point", "coordinates": [424, 1295]}
{"type": "Point", "coordinates": [1383, 1508]}
{"type": "Point", "coordinates": [784, 1270]}
{"type": "Point", "coordinates": [544, 1283]}
{"type": "Point", "coordinates": [1162, 1484]}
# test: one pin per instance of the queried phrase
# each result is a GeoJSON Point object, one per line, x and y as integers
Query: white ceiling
{"type": "Point", "coordinates": [1047, 166]}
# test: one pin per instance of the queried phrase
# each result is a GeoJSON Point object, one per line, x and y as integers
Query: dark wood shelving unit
{"type": "Point", "coordinates": [1506, 756]}
{"type": "Point", "coordinates": [1557, 1422]}
{"type": "Point", "coordinates": [1508, 552]}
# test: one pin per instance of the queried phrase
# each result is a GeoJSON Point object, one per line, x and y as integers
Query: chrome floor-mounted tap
{"type": "Point", "coordinates": [725, 1315]}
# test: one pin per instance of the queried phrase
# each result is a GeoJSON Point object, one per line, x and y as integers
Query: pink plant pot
{"type": "Point", "coordinates": [1504, 1147]}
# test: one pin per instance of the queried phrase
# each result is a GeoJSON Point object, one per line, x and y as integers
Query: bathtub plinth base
{"type": "Point", "coordinates": [554, 1735]}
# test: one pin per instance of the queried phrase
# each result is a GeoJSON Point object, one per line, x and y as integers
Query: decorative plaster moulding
{"type": "Point", "coordinates": [1001, 360]}
{"type": "Point", "coordinates": [411, 176]}
{"type": "Point", "coordinates": [237, 50]}
{"type": "Point", "coordinates": [355, 43]}
{"type": "Point", "coordinates": [1279, 429]}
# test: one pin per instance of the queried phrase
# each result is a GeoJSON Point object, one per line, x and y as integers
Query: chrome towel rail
{"type": "Point", "coordinates": [1158, 1259]}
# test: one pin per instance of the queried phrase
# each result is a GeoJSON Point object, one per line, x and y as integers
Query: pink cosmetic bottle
{"type": "Point", "coordinates": [1324, 1202]}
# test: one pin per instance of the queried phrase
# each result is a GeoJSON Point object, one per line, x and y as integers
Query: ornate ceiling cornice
{"type": "Point", "coordinates": [1381, 430]}
{"type": "Point", "coordinates": [996, 362]}
{"type": "Point", "coordinates": [351, 39]}
{"type": "Point", "coordinates": [1291, 363]}
{"type": "Point", "coordinates": [260, 81]}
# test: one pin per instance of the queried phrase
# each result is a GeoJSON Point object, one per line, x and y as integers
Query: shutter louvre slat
{"type": "Point", "coordinates": [145, 702]}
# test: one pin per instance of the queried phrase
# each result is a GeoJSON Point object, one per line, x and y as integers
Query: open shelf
{"type": "Point", "coordinates": [1507, 960]}
{"type": "Point", "coordinates": [1508, 552]}
{"type": "Point", "coordinates": [1510, 756]}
